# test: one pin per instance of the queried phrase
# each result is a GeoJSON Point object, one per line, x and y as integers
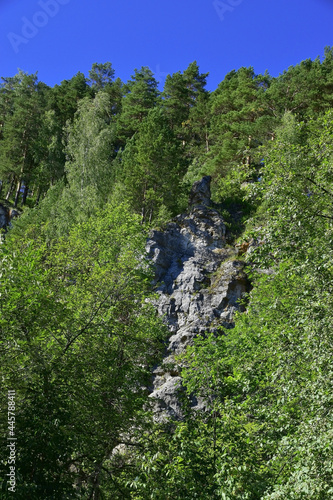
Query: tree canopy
{"type": "Point", "coordinates": [92, 165]}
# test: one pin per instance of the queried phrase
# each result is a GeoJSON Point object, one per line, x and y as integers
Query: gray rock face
{"type": "Point", "coordinates": [4, 217]}
{"type": "Point", "coordinates": [200, 192]}
{"type": "Point", "coordinates": [199, 283]}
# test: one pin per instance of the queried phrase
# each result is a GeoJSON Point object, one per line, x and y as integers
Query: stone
{"type": "Point", "coordinates": [4, 217]}
{"type": "Point", "coordinates": [200, 192]}
{"type": "Point", "coordinates": [199, 283]}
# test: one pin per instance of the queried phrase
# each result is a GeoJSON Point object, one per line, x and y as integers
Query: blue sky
{"type": "Point", "coordinates": [58, 38]}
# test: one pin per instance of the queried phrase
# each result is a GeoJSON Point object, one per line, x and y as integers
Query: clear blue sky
{"type": "Point", "coordinates": [58, 38]}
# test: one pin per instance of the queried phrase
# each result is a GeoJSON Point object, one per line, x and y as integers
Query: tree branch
{"type": "Point", "coordinates": [83, 330]}
{"type": "Point", "coordinates": [319, 186]}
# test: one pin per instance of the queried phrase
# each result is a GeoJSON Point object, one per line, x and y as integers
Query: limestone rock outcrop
{"type": "Point", "coordinates": [6, 215]}
{"type": "Point", "coordinates": [199, 283]}
{"type": "Point", "coordinates": [200, 192]}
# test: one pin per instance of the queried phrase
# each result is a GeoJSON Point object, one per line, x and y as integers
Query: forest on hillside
{"type": "Point", "coordinates": [91, 166]}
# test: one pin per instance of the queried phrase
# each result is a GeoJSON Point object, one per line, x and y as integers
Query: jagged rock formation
{"type": "Point", "coordinates": [200, 193]}
{"type": "Point", "coordinates": [6, 215]}
{"type": "Point", "coordinates": [199, 283]}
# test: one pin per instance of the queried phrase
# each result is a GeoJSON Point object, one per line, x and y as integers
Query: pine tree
{"type": "Point", "coordinates": [181, 93]}
{"type": "Point", "coordinates": [20, 144]}
{"type": "Point", "coordinates": [101, 75]}
{"type": "Point", "coordinates": [152, 169]}
{"type": "Point", "coordinates": [239, 124]}
{"type": "Point", "coordinates": [65, 97]}
{"type": "Point", "coordinates": [141, 95]}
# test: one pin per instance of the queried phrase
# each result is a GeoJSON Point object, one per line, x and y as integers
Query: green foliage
{"type": "Point", "coordinates": [65, 97]}
{"type": "Point", "coordinates": [239, 124]}
{"type": "Point", "coordinates": [152, 169]}
{"type": "Point", "coordinates": [51, 163]}
{"type": "Point", "coordinates": [296, 187]}
{"type": "Point", "coordinates": [101, 75]}
{"type": "Point", "coordinates": [90, 151]}
{"type": "Point", "coordinates": [305, 89]}
{"type": "Point", "coordinates": [20, 146]}
{"type": "Point", "coordinates": [266, 384]}
{"type": "Point", "coordinates": [180, 454]}
{"type": "Point", "coordinates": [78, 338]}
{"type": "Point", "coordinates": [141, 95]}
{"type": "Point", "coordinates": [181, 93]}
{"type": "Point", "coordinates": [78, 332]}
{"type": "Point", "coordinates": [88, 169]}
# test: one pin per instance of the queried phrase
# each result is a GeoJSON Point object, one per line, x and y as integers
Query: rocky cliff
{"type": "Point", "coordinates": [6, 216]}
{"type": "Point", "coordinates": [199, 282]}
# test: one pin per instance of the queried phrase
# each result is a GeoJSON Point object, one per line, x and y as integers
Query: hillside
{"type": "Point", "coordinates": [166, 285]}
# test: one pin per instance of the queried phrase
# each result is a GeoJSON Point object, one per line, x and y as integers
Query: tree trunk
{"type": "Point", "coordinates": [38, 196]}
{"type": "Point", "coordinates": [248, 158]}
{"type": "Point", "coordinates": [10, 190]}
{"type": "Point", "coordinates": [207, 143]}
{"type": "Point", "coordinates": [17, 195]}
{"type": "Point", "coordinates": [19, 183]}
{"type": "Point", "coordinates": [25, 194]}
